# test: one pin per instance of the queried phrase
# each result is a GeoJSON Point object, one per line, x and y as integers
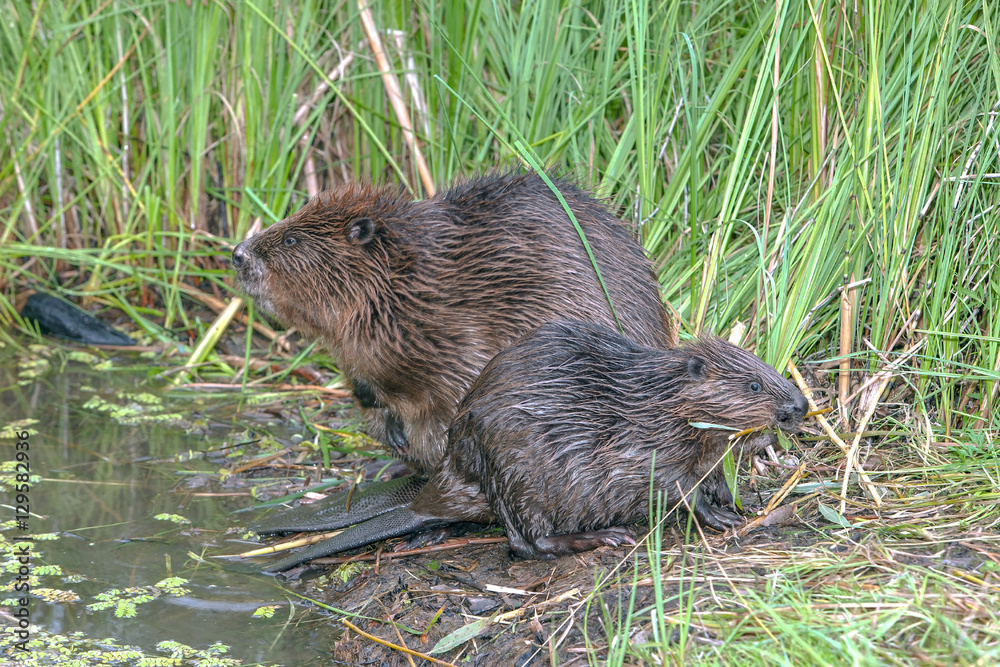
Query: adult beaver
{"type": "Point", "coordinates": [557, 438]}
{"type": "Point", "coordinates": [412, 298]}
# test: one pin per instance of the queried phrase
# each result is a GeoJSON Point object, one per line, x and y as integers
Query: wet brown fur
{"type": "Point", "coordinates": [413, 298]}
{"type": "Point", "coordinates": [560, 432]}
{"type": "Point", "coordinates": [559, 435]}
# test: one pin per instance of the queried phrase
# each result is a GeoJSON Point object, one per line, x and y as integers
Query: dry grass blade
{"type": "Point", "coordinates": [870, 488]}
{"type": "Point", "coordinates": [881, 379]}
{"type": "Point", "coordinates": [847, 325]}
{"type": "Point", "coordinates": [390, 555]}
{"type": "Point", "coordinates": [783, 491]}
{"type": "Point", "coordinates": [395, 96]}
{"type": "Point", "coordinates": [309, 170]}
{"type": "Point", "coordinates": [520, 611]}
{"type": "Point", "coordinates": [212, 335]}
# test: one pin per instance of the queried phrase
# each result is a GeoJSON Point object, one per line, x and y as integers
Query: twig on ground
{"type": "Point", "coordinates": [882, 379]}
{"type": "Point", "coordinates": [212, 335]}
{"type": "Point", "coordinates": [258, 462]}
{"type": "Point", "coordinates": [447, 546]}
{"type": "Point", "coordinates": [395, 647]}
{"type": "Point", "coordinates": [399, 636]}
{"type": "Point", "coordinates": [866, 482]}
{"type": "Point", "coordinates": [907, 353]}
{"type": "Point", "coordinates": [309, 374]}
{"type": "Point", "coordinates": [285, 546]}
{"type": "Point", "coordinates": [785, 489]}
{"type": "Point", "coordinates": [562, 597]}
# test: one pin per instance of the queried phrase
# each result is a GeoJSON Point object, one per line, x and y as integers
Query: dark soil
{"type": "Point", "coordinates": [397, 596]}
{"type": "Point", "coordinates": [449, 581]}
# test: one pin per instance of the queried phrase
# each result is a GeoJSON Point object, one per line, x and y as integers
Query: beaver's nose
{"type": "Point", "coordinates": [801, 404]}
{"type": "Point", "coordinates": [792, 412]}
{"type": "Point", "coordinates": [239, 255]}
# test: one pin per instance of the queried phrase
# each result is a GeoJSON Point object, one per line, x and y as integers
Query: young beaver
{"type": "Point", "coordinates": [412, 298]}
{"type": "Point", "coordinates": [557, 437]}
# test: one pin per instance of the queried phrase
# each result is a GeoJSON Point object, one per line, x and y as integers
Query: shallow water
{"type": "Point", "coordinates": [103, 481]}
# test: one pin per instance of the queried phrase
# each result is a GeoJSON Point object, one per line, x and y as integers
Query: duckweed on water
{"type": "Point", "coordinates": [266, 611]}
{"type": "Point", "coordinates": [31, 369]}
{"type": "Point", "coordinates": [82, 357]}
{"type": "Point", "coordinates": [10, 564]}
{"type": "Point", "coordinates": [8, 476]}
{"type": "Point", "coordinates": [55, 595]}
{"type": "Point", "coordinates": [11, 430]}
{"type": "Point", "coordinates": [125, 601]}
{"type": "Point", "coordinates": [143, 397]}
{"type": "Point", "coordinates": [75, 650]}
{"type": "Point", "coordinates": [38, 359]}
{"type": "Point", "coordinates": [140, 409]}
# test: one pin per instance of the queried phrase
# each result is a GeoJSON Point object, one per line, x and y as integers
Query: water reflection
{"type": "Point", "coordinates": [103, 481]}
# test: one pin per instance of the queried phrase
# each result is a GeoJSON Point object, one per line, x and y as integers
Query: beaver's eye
{"type": "Point", "coordinates": [755, 387]}
{"type": "Point", "coordinates": [290, 241]}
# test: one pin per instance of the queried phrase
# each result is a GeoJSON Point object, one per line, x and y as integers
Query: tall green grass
{"type": "Point", "coordinates": [768, 155]}
{"type": "Point", "coordinates": [765, 153]}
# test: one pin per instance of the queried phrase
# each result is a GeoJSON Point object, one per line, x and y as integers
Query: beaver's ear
{"type": "Point", "coordinates": [361, 231]}
{"type": "Point", "coordinates": [696, 368]}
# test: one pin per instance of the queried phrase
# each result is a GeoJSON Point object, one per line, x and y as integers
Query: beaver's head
{"type": "Point", "coordinates": [333, 260]}
{"type": "Point", "coordinates": [726, 385]}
